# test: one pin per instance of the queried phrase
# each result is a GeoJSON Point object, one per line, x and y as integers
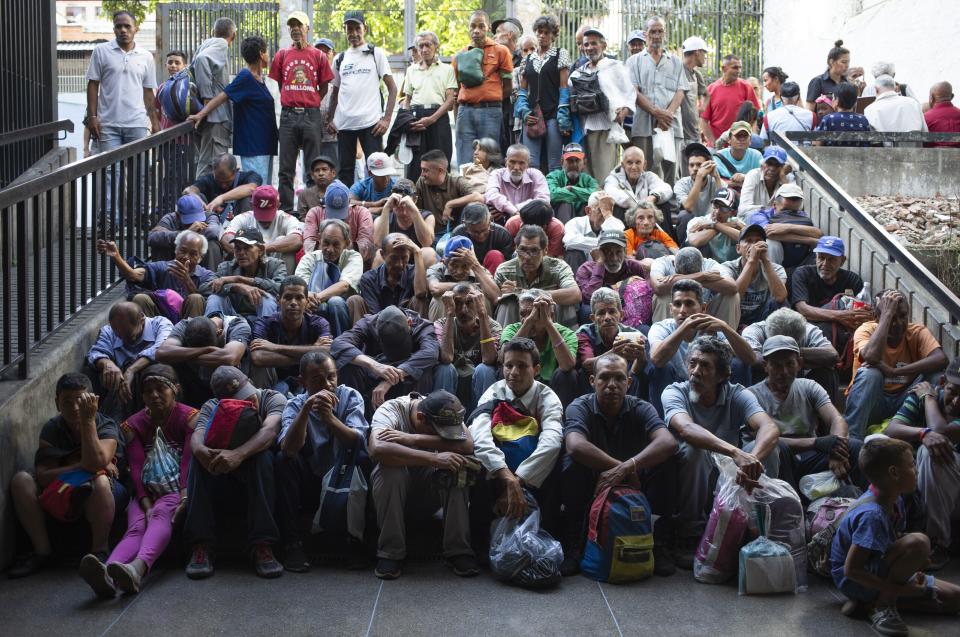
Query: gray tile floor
{"type": "Point", "coordinates": [427, 600]}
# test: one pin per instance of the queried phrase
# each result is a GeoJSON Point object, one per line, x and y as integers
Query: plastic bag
{"type": "Point", "coordinates": [522, 553]}
{"type": "Point", "coordinates": [716, 558]}
{"type": "Point", "coordinates": [664, 148]}
{"type": "Point", "coordinates": [161, 469]}
{"type": "Point", "coordinates": [786, 523]}
{"type": "Point", "coordinates": [766, 566]}
{"type": "Point", "coordinates": [819, 485]}
{"type": "Point", "coordinates": [617, 135]}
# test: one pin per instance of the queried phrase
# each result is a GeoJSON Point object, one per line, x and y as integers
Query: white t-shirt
{"type": "Point", "coordinates": [358, 77]}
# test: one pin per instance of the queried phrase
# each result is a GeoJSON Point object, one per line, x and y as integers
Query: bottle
{"type": "Point", "coordinates": [865, 297]}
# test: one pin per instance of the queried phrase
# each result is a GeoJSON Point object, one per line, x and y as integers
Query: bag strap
{"type": "Point", "coordinates": [596, 509]}
{"type": "Point", "coordinates": [726, 162]}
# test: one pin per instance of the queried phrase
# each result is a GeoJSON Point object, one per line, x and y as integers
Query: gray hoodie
{"type": "Point", "coordinates": [210, 71]}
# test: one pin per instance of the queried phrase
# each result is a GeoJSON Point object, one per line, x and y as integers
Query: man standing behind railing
{"type": "Point", "coordinates": [210, 71]}
{"type": "Point", "coordinates": [120, 99]}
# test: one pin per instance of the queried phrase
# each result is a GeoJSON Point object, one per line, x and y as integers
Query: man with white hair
{"type": "Point", "coordinates": [581, 233]}
{"type": "Point", "coordinates": [886, 68]}
{"type": "Point", "coordinates": [892, 112]}
{"type": "Point", "coordinates": [513, 186]}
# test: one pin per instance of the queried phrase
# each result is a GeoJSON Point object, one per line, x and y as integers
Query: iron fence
{"type": "Point", "coordinates": [49, 227]}
{"type": "Point", "coordinates": [72, 71]}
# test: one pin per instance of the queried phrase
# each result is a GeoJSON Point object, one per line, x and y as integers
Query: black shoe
{"type": "Point", "coordinates": [357, 557]}
{"type": "Point", "coordinates": [200, 566]}
{"type": "Point", "coordinates": [684, 553]}
{"type": "Point", "coordinates": [28, 565]}
{"type": "Point", "coordinates": [663, 564]}
{"type": "Point", "coordinates": [570, 566]}
{"type": "Point", "coordinates": [295, 558]}
{"type": "Point", "coordinates": [265, 563]}
{"type": "Point", "coordinates": [388, 569]}
{"type": "Point", "coordinates": [463, 565]}
{"type": "Point", "coordinates": [94, 572]}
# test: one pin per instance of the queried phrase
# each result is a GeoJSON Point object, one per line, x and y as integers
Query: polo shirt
{"type": "Point", "coordinates": [622, 437]}
{"type": "Point", "coordinates": [157, 276]}
{"type": "Point", "coordinates": [436, 197]}
{"type": "Point", "coordinates": [592, 275]}
{"type": "Point", "coordinates": [735, 404]}
{"type": "Point", "coordinates": [428, 86]}
{"type": "Point", "coordinates": [497, 64]}
{"type": "Point", "coordinates": [497, 239]}
{"type": "Point", "coordinates": [300, 73]}
{"type": "Point", "coordinates": [358, 74]}
{"type": "Point", "coordinates": [122, 76]}
{"type": "Point", "coordinates": [505, 196]}
{"type": "Point", "coordinates": [822, 85]}
{"type": "Point", "coordinates": [156, 329]}
{"type": "Point", "coordinates": [659, 83]}
{"type": "Point", "coordinates": [943, 117]}
{"type": "Point", "coordinates": [270, 328]}
{"type": "Point", "coordinates": [724, 102]}
{"type": "Point", "coordinates": [378, 294]}
{"type": "Point", "coordinates": [320, 447]}
{"type": "Point", "coordinates": [548, 357]}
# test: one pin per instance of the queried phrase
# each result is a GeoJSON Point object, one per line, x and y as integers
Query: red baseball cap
{"type": "Point", "coordinates": [266, 199]}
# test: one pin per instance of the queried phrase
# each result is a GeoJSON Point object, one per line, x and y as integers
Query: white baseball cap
{"type": "Point", "coordinates": [379, 164]}
{"type": "Point", "coordinates": [694, 43]}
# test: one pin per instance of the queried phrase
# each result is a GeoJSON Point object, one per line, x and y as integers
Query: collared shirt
{"type": "Point", "coordinates": [350, 265]}
{"type": "Point", "coordinates": [734, 406]}
{"type": "Point", "coordinates": [615, 84]}
{"type": "Point", "coordinates": [754, 194]}
{"type": "Point", "coordinates": [157, 276]}
{"type": "Point", "coordinates": [497, 64]}
{"type": "Point", "coordinates": [270, 328]}
{"type": "Point", "coordinates": [366, 190]}
{"type": "Point", "coordinates": [892, 113]}
{"type": "Point", "coordinates": [660, 331]}
{"type": "Point", "coordinates": [555, 232]}
{"type": "Point", "coordinates": [843, 122]}
{"type": "Point", "coordinates": [508, 197]}
{"type": "Point", "coordinates": [541, 403]}
{"type": "Point", "coordinates": [425, 86]}
{"type": "Point", "coordinates": [789, 117]}
{"type": "Point", "coordinates": [359, 220]}
{"type": "Point", "coordinates": [659, 82]}
{"type": "Point", "coordinates": [626, 194]}
{"type": "Point", "coordinates": [283, 225]}
{"type": "Point", "coordinates": [161, 239]}
{"type": "Point", "coordinates": [578, 233]}
{"type": "Point", "coordinates": [554, 274]}
{"type": "Point", "coordinates": [622, 437]}
{"type": "Point", "coordinates": [270, 273]}
{"type": "Point", "coordinates": [548, 357]}
{"type": "Point", "coordinates": [943, 117]}
{"type": "Point", "coordinates": [688, 107]}
{"type": "Point", "coordinates": [377, 291]}
{"type": "Point", "coordinates": [590, 344]}
{"type": "Point", "coordinates": [592, 275]}
{"type": "Point", "coordinates": [321, 446]}
{"type": "Point", "coordinates": [435, 198]}
{"type": "Point", "coordinates": [156, 329]}
{"type": "Point", "coordinates": [576, 194]}
{"type": "Point", "coordinates": [122, 76]}
{"type": "Point", "coordinates": [362, 338]}
{"type": "Point", "coordinates": [210, 71]}
{"type": "Point", "coordinates": [823, 85]}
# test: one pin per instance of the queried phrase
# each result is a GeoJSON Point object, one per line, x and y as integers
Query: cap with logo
{"type": "Point", "coordinates": [612, 236]}
{"type": "Point", "coordinates": [694, 43]}
{"type": "Point", "coordinates": [300, 17]}
{"type": "Point", "coordinates": [637, 35]}
{"type": "Point", "coordinates": [456, 243]}
{"type": "Point", "coordinates": [250, 236]}
{"type": "Point", "coordinates": [378, 164]}
{"type": "Point", "coordinates": [775, 153]}
{"type": "Point", "coordinates": [754, 227]}
{"type": "Point", "coordinates": [789, 89]}
{"type": "Point", "coordinates": [780, 343]}
{"type": "Point", "coordinates": [229, 382]}
{"type": "Point", "coordinates": [445, 413]}
{"type": "Point", "coordinates": [336, 201]}
{"type": "Point", "coordinates": [740, 126]}
{"type": "Point", "coordinates": [573, 150]}
{"type": "Point", "coordinates": [727, 198]}
{"type": "Point", "coordinates": [831, 245]}
{"type": "Point", "coordinates": [354, 16]}
{"type": "Point", "coordinates": [190, 209]}
{"type": "Point", "coordinates": [789, 191]}
{"type": "Point", "coordinates": [265, 201]}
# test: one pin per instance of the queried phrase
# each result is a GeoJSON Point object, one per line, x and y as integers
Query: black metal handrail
{"type": "Point", "coordinates": [32, 132]}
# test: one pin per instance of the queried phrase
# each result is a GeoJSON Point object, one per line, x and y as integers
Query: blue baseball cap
{"type": "Point", "coordinates": [455, 243]}
{"type": "Point", "coordinates": [336, 201]}
{"type": "Point", "coordinates": [831, 245]}
{"type": "Point", "coordinates": [776, 153]}
{"type": "Point", "coordinates": [190, 209]}
{"type": "Point", "coordinates": [327, 42]}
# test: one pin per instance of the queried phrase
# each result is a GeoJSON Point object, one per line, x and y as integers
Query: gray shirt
{"type": "Point", "coordinates": [734, 405]}
{"type": "Point", "coordinates": [688, 107]}
{"type": "Point", "coordinates": [210, 71]}
{"type": "Point", "coordinates": [659, 82]}
{"type": "Point", "coordinates": [756, 335]}
{"type": "Point", "coordinates": [681, 190]}
{"type": "Point", "coordinates": [659, 332]}
{"type": "Point", "coordinates": [122, 76]}
{"type": "Point", "coordinates": [758, 292]}
{"type": "Point", "coordinates": [797, 415]}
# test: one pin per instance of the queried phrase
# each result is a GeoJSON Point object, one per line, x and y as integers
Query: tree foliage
{"type": "Point", "coordinates": [139, 8]}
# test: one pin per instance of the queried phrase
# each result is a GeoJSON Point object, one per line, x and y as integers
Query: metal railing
{"type": "Point", "coordinates": [855, 138]}
{"type": "Point", "coordinates": [873, 252]}
{"type": "Point", "coordinates": [49, 227]}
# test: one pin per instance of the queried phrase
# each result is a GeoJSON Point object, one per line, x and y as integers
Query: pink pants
{"type": "Point", "coordinates": [146, 539]}
{"type": "Point", "coordinates": [492, 259]}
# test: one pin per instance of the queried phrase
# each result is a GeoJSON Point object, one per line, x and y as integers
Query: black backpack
{"type": "Point", "coordinates": [586, 97]}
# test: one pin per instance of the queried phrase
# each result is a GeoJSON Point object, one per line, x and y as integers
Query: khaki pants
{"type": "Point", "coordinates": [724, 307]}
{"type": "Point", "coordinates": [601, 157]}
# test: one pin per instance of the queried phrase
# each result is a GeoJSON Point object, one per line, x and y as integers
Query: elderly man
{"type": "Point", "coordinates": [469, 344]}
{"type": "Point", "coordinates": [247, 285]}
{"type": "Point", "coordinates": [211, 74]}
{"type": "Point", "coordinates": [396, 281]}
{"type": "Point", "coordinates": [484, 82]}
{"type": "Point", "coordinates": [892, 112]}
{"type": "Point", "coordinates": [514, 185]}
{"type": "Point", "coordinates": [694, 58]}
{"type": "Point", "coordinates": [612, 438]}
{"type": "Point", "coordinates": [724, 97]}
{"type": "Point", "coordinates": [188, 215]}
{"type": "Point", "coordinates": [459, 265]}
{"type": "Point", "coordinates": [508, 32]}
{"type": "Point", "coordinates": [183, 274]}
{"type": "Point", "coordinates": [630, 183]}
{"type": "Point", "coordinates": [600, 97]}
{"type": "Point", "coordinates": [282, 232]}
{"type": "Point", "coordinates": [440, 192]}
{"type": "Point", "coordinates": [761, 283]}
{"type": "Point", "coordinates": [717, 233]}
{"type": "Point", "coordinates": [570, 186]}
{"type": "Point", "coordinates": [611, 267]}
{"type": "Point", "coordinates": [227, 191]}
{"type": "Point", "coordinates": [387, 354]}
{"type": "Point", "coordinates": [670, 340]}
{"type": "Point", "coordinates": [813, 434]}
{"type": "Point", "coordinates": [415, 440]}
{"type": "Point", "coordinates": [760, 185]}
{"type": "Point", "coordinates": [336, 206]}
{"type": "Point", "coordinates": [943, 116]}
{"type": "Point", "coordinates": [581, 234]}
{"type": "Point", "coordinates": [357, 113]}
{"type": "Point", "coordinates": [531, 268]}
{"type": "Point", "coordinates": [333, 273]}
{"type": "Point", "coordinates": [890, 356]}
{"type": "Point", "coordinates": [517, 435]}
{"type": "Point", "coordinates": [492, 243]}
{"type": "Point", "coordinates": [708, 413]}
{"type": "Point", "coordinates": [883, 68]}
{"type": "Point", "coordinates": [792, 116]}
{"type": "Point", "coordinates": [556, 343]}
{"type": "Point", "coordinates": [661, 87]}
{"type": "Point", "coordinates": [790, 230]}
{"type": "Point", "coordinates": [429, 93]}
{"type": "Point", "coordinates": [720, 291]}
{"type": "Point", "coordinates": [248, 468]}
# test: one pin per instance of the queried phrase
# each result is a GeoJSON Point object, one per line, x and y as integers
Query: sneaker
{"type": "Point", "coordinates": [663, 564]}
{"type": "Point", "coordinates": [295, 558]}
{"type": "Point", "coordinates": [887, 621]}
{"type": "Point", "coordinates": [939, 557]}
{"type": "Point", "coordinates": [463, 565]}
{"type": "Point", "coordinates": [28, 565]}
{"type": "Point", "coordinates": [388, 569]}
{"type": "Point", "coordinates": [265, 563]}
{"type": "Point", "coordinates": [200, 566]}
{"type": "Point", "coordinates": [684, 552]}
{"type": "Point", "coordinates": [125, 577]}
{"type": "Point", "coordinates": [570, 566]}
{"type": "Point", "coordinates": [94, 572]}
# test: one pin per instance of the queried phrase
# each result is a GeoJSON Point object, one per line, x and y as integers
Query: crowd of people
{"type": "Point", "coordinates": [617, 280]}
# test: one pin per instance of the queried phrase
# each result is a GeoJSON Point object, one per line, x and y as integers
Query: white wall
{"type": "Point", "coordinates": [919, 36]}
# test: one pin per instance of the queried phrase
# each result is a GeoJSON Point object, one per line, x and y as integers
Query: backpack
{"type": "Point", "coordinates": [343, 498]}
{"type": "Point", "coordinates": [179, 97]}
{"type": "Point", "coordinates": [825, 511]}
{"type": "Point", "coordinates": [651, 249]}
{"type": "Point", "coordinates": [636, 297]}
{"type": "Point", "coordinates": [586, 96]}
{"type": "Point", "coordinates": [470, 67]}
{"type": "Point", "coordinates": [619, 537]}
{"type": "Point", "coordinates": [838, 335]}
{"type": "Point", "coordinates": [232, 423]}
{"type": "Point", "coordinates": [820, 545]}
{"type": "Point", "coordinates": [337, 61]}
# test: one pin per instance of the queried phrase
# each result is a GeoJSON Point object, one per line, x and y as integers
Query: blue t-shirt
{"type": "Point", "coordinates": [364, 190]}
{"type": "Point", "coordinates": [842, 122]}
{"type": "Point", "coordinates": [752, 159]}
{"type": "Point", "coordinates": [254, 119]}
{"type": "Point", "coordinates": [870, 527]}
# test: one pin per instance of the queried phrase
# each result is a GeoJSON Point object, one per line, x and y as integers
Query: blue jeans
{"type": "Point", "coordinates": [216, 303]}
{"type": "Point", "coordinates": [336, 312]}
{"type": "Point", "coordinates": [261, 164]}
{"type": "Point", "coordinates": [550, 145]}
{"type": "Point", "coordinates": [445, 376]}
{"type": "Point", "coordinates": [112, 137]}
{"type": "Point", "coordinates": [868, 404]}
{"type": "Point", "coordinates": [474, 123]}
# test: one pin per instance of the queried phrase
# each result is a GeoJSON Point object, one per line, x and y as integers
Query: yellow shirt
{"type": "Point", "coordinates": [428, 86]}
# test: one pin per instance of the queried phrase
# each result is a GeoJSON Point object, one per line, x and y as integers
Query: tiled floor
{"type": "Point", "coordinates": [427, 600]}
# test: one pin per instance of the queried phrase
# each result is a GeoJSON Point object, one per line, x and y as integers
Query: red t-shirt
{"type": "Point", "coordinates": [725, 101]}
{"type": "Point", "coordinates": [554, 232]}
{"type": "Point", "coordinates": [944, 117]}
{"type": "Point", "coordinates": [300, 74]}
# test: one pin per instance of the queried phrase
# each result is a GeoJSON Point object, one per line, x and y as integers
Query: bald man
{"type": "Point", "coordinates": [943, 116]}
{"type": "Point", "coordinates": [127, 344]}
{"type": "Point", "coordinates": [631, 183]}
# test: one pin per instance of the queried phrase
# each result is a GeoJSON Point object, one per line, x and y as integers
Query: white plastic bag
{"type": "Point", "coordinates": [716, 558]}
{"type": "Point", "coordinates": [664, 148]}
{"type": "Point", "coordinates": [617, 135]}
{"type": "Point", "coordinates": [819, 485]}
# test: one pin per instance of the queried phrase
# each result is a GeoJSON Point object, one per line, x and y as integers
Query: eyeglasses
{"type": "Point", "coordinates": [529, 252]}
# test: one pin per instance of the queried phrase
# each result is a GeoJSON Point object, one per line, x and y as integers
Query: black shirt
{"type": "Point", "coordinates": [210, 189]}
{"type": "Point", "coordinates": [621, 438]}
{"type": "Point", "coordinates": [64, 447]}
{"type": "Point", "coordinates": [807, 286]}
{"type": "Point", "coordinates": [498, 239]}
{"type": "Point", "coordinates": [823, 85]}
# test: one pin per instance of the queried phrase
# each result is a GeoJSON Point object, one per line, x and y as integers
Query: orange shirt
{"type": "Point", "coordinates": [497, 64]}
{"type": "Point", "coordinates": [917, 344]}
{"type": "Point", "coordinates": [634, 240]}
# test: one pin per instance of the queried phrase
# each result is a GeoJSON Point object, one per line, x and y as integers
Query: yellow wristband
{"type": "Point", "coordinates": [484, 341]}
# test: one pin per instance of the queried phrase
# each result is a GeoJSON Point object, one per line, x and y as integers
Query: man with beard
{"type": "Point", "coordinates": [570, 186]}
{"type": "Point", "coordinates": [515, 185]}
{"type": "Point", "coordinates": [707, 413]}
{"type": "Point", "coordinates": [581, 234]}
{"type": "Point", "coordinates": [439, 191]}
{"type": "Point", "coordinates": [396, 281]}
{"type": "Point", "coordinates": [631, 183]}
{"type": "Point", "coordinates": [611, 267]}
{"type": "Point", "coordinates": [333, 274]}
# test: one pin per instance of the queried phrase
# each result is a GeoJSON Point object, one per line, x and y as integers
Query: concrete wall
{"type": "Point", "coordinates": [911, 172]}
{"type": "Point", "coordinates": [26, 405]}
{"type": "Point", "coordinates": [913, 34]}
